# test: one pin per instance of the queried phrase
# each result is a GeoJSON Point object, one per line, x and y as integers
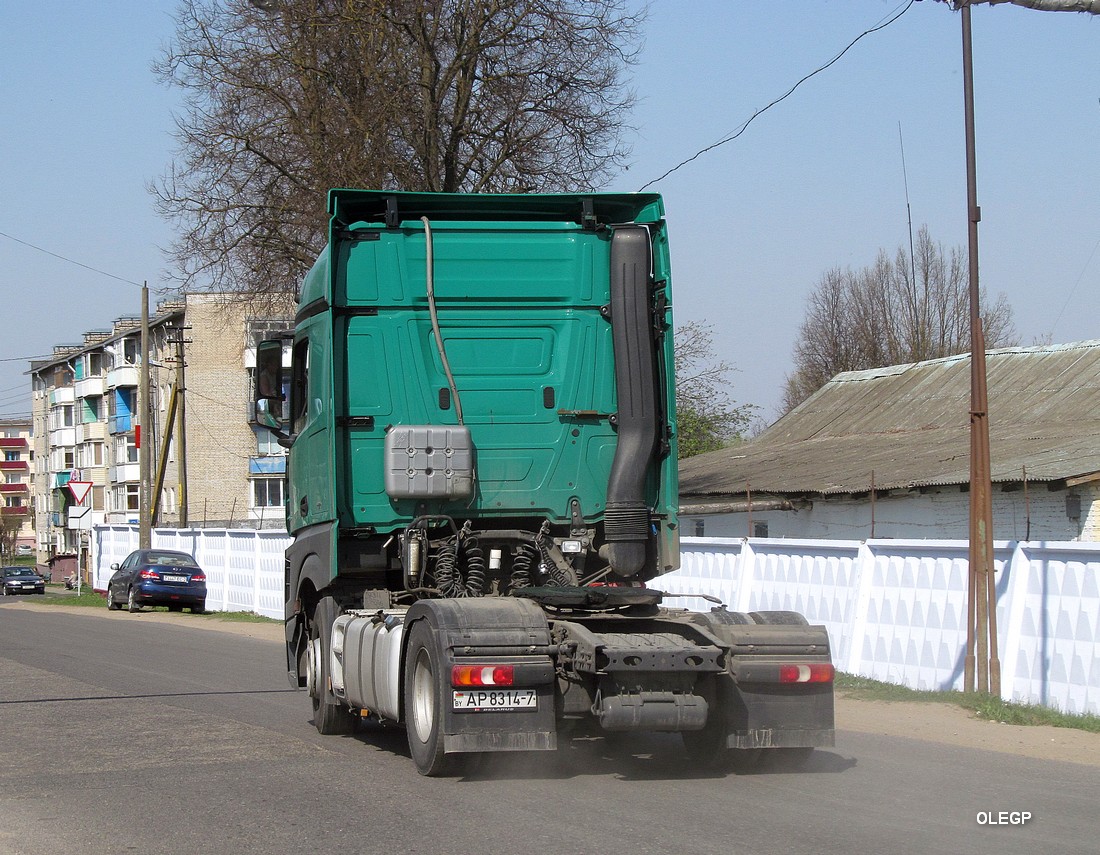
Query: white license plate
{"type": "Point", "coordinates": [175, 578]}
{"type": "Point", "coordinates": [487, 700]}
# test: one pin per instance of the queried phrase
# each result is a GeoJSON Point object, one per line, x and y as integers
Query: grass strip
{"type": "Point", "coordinates": [983, 705]}
{"type": "Point", "coordinates": [91, 599]}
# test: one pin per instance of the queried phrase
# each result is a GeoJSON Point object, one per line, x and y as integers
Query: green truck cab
{"type": "Point", "coordinates": [482, 477]}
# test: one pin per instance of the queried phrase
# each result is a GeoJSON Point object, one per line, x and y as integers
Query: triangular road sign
{"type": "Point", "coordinates": [80, 490]}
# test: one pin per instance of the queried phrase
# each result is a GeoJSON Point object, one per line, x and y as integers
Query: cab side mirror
{"type": "Point", "coordinates": [268, 402]}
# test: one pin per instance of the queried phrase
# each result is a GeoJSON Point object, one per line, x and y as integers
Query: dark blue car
{"type": "Point", "coordinates": [157, 577]}
{"type": "Point", "coordinates": [22, 580]}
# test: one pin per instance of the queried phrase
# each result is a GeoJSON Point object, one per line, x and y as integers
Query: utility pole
{"type": "Point", "coordinates": [181, 429]}
{"type": "Point", "coordinates": [981, 649]}
{"type": "Point", "coordinates": [145, 425]}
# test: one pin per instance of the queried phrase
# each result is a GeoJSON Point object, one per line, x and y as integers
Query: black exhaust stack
{"type": "Point", "coordinates": [626, 521]}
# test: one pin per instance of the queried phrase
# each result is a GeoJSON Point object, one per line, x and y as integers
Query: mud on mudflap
{"type": "Point", "coordinates": [778, 688]}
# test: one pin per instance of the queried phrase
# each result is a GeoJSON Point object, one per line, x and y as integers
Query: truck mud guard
{"type": "Point", "coordinates": [478, 634]}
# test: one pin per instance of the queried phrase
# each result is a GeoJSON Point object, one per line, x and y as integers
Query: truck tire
{"type": "Point", "coordinates": [330, 716]}
{"type": "Point", "coordinates": [425, 694]}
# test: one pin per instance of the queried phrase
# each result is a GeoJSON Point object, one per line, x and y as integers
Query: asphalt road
{"type": "Point", "coordinates": [134, 733]}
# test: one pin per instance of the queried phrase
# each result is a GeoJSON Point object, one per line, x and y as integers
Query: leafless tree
{"type": "Point", "coordinates": [10, 525]}
{"type": "Point", "coordinates": [886, 315]}
{"type": "Point", "coordinates": [285, 100]}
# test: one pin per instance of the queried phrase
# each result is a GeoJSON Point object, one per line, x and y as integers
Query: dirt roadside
{"type": "Point", "coordinates": [928, 722]}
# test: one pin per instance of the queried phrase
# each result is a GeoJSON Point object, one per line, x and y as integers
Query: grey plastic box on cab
{"type": "Point", "coordinates": [429, 462]}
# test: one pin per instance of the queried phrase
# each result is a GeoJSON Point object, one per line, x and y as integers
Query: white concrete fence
{"type": "Point", "coordinates": [895, 609]}
{"type": "Point", "coordinates": [244, 567]}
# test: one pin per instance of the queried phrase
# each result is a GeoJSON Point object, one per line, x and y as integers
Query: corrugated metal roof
{"type": "Point", "coordinates": [910, 425]}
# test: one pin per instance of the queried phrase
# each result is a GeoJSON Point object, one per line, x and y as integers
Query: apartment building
{"type": "Point", "coordinates": [16, 507]}
{"type": "Point", "coordinates": [209, 466]}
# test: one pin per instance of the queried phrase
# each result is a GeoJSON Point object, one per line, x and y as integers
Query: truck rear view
{"type": "Point", "coordinates": [482, 477]}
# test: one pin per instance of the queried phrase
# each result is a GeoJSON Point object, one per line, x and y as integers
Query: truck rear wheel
{"type": "Point", "coordinates": [329, 715]}
{"type": "Point", "coordinates": [425, 692]}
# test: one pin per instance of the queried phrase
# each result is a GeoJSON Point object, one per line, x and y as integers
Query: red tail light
{"type": "Point", "coordinates": [482, 675]}
{"type": "Point", "coordinates": [150, 575]}
{"type": "Point", "coordinates": [818, 672]}
{"type": "Point", "coordinates": [198, 577]}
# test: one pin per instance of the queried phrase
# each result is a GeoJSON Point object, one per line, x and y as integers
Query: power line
{"type": "Point", "coordinates": [1073, 290]}
{"type": "Point", "coordinates": [71, 261]}
{"type": "Point", "coordinates": [782, 97]}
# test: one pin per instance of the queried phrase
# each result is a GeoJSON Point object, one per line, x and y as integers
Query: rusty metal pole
{"type": "Point", "coordinates": [145, 424]}
{"type": "Point", "coordinates": [982, 589]}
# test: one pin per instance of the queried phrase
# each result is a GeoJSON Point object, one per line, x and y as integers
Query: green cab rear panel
{"type": "Point", "coordinates": [521, 286]}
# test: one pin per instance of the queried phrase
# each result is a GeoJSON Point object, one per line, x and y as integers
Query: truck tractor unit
{"type": "Point", "coordinates": [479, 404]}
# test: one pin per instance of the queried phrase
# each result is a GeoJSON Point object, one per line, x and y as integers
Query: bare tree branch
{"type": "Point", "coordinates": [882, 315]}
{"type": "Point", "coordinates": [1090, 7]}
{"type": "Point", "coordinates": [285, 99]}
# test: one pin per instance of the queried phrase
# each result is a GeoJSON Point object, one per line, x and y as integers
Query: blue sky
{"type": "Point", "coordinates": [815, 182]}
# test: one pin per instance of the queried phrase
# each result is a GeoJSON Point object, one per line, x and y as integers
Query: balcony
{"type": "Point", "coordinates": [124, 472]}
{"type": "Point", "coordinates": [90, 387]}
{"type": "Point", "coordinates": [16, 443]}
{"type": "Point", "coordinates": [62, 395]}
{"type": "Point", "coordinates": [21, 511]}
{"type": "Point", "coordinates": [14, 466]}
{"type": "Point", "coordinates": [122, 423]}
{"type": "Point", "coordinates": [91, 432]}
{"type": "Point", "coordinates": [124, 375]}
{"type": "Point", "coordinates": [63, 437]}
{"type": "Point", "coordinates": [14, 489]}
{"type": "Point", "coordinates": [268, 465]}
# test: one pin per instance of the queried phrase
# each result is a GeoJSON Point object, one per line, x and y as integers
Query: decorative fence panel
{"type": "Point", "coordinates": [244, 567]}
{"type": "Point", "coordinates": [895, 609]}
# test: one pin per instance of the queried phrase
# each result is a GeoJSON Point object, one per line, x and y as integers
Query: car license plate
{"type": "Point", "coordinates": [487, 700]}
{"type": "Point", "coordinates": [175, 578]}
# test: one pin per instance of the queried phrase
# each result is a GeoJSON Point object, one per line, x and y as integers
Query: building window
{"type": "Point", "coordinates": [90, 410]}
{"type": "Point", "coordinates": [700, 525]}
{"type": "Point", "coordinates": [759, 529]}
{"type": "Point", "coordinates": [266, 442]}
{"type": "Point", "coordinates": [126, 450]}
{"type": "Point", "coordinates": [11, 456]}
{"type": "Point", "coordinates": [267, 493]}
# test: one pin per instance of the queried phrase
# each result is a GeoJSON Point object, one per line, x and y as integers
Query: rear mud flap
{"type": "Point", "coordinates": [494, 631]}
{"type": "Point", "coordinates": [777, 716]}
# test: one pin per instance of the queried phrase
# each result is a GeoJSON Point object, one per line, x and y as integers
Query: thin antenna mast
{"type": "Point", "coordinates": [908, 210]}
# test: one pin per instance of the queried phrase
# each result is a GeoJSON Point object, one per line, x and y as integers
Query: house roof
{"type": "Point", "coordinates": [910, 426]}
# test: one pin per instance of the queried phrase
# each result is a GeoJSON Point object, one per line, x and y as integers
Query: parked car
{"type": "Point", "coordinates": [157, 577]}
{"type": "Point", "coordinates": [24, 549]}
{"type": "Point", "coordinates": [22, 580]}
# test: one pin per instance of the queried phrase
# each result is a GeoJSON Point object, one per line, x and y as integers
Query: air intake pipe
{"type": "Point", "coordinates": [626, 520]}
